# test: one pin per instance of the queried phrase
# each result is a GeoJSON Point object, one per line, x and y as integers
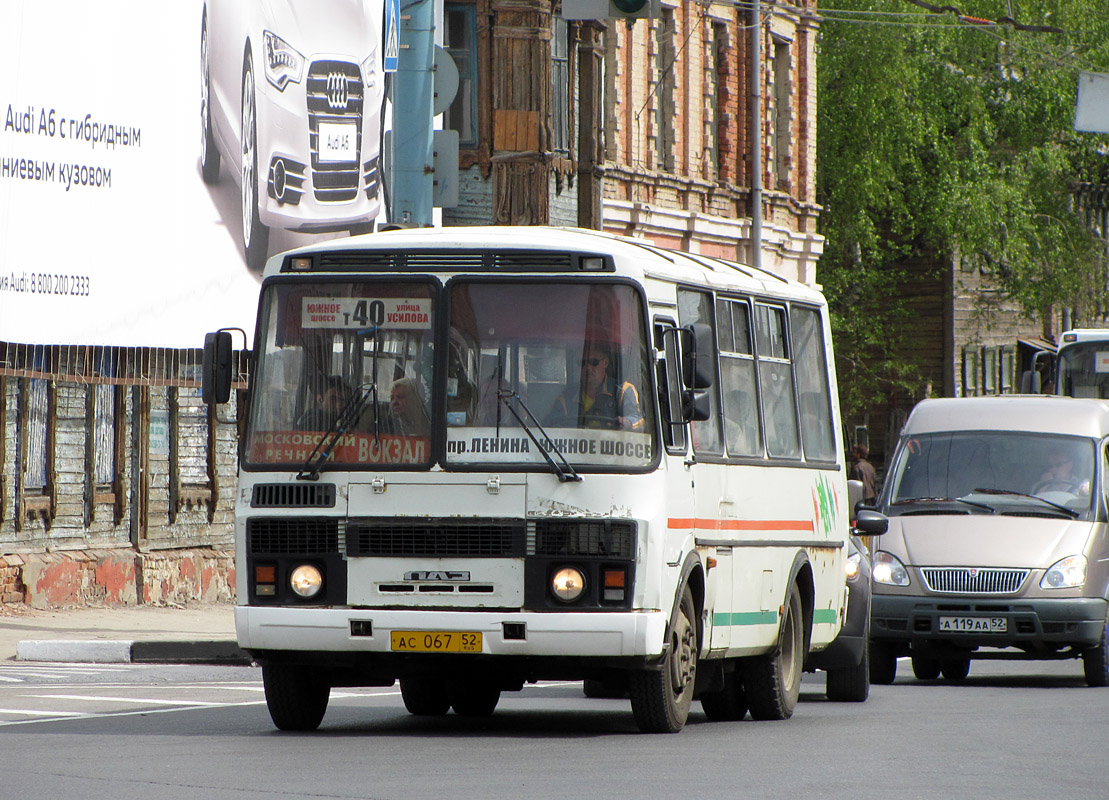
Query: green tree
{"type": "Point", "coordinates": [941, 135]}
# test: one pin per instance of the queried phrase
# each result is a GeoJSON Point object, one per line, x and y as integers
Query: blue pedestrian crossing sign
{"type": "Point", "coordinates": [392, 36]}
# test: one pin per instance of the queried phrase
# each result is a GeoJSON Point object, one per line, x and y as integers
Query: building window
{"type": "Point", "coordinates": [664, 109]}
{"type": "Point", "coordinates": [989, 370]}
{"type": "Point", "coordinates": [780, 112]}
{"type": "Point", "coordinates": [560, 87]}
{"type": "Point", "coordinates": [1008, 355]}
{"type": "Point", "coordinates": [460, 41]}
{"type": "Point", "coordinates": [970, 371]}
{"type": "Point", "coordinates": [192, 468]}
{"type": "Point", "coordinates": [105, 417]}
{"type": "Point", "coordinates": [35, 431]}
{"type": "Point", "coordinates": [718, 100]}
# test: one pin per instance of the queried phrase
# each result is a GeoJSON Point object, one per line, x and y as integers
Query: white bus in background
{"type": "Point", "coordinates": [679, 535]}
{"type": "Point", "coordinates": [1082, 363]}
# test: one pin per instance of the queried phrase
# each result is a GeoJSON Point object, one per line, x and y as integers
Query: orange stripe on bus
{"type": "Point", "coordinates": [743, 524]}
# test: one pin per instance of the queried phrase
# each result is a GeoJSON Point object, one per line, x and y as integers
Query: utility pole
{"type": "Point", "coordinates": [756, 134]}
{"type": "Point", "coordinates": [412, 157]}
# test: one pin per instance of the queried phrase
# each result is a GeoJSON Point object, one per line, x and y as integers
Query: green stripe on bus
{"type": "Point", "coordinates": [821, 616]}
{"type": "Point", "coordinates": [745, 618]}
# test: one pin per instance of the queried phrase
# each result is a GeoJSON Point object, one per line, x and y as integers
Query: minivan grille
{"type": "Point", "coordinates": [971, 580]}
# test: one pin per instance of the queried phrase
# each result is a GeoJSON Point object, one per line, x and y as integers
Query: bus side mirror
{"type": "Point", "coordinates": [698, 364]}
{"type": "Point", "coordinates": [1030, 382]}
{"type": "Point", "coordinates": [215, 386]}
{"type": "Point", "coordinates": [695, 405]}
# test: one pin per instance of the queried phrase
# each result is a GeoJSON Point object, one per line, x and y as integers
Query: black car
{"type": "Point", "coordinates": [846, 659]}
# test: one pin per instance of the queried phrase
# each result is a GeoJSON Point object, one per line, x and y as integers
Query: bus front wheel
{"type": "Point", "coordinates": [661, 697]}
{"type": "Point", "coordinates": [295, 696]}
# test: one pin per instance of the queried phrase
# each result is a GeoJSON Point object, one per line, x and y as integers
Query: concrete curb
{"type": "Point", "coordinates": [216, 652]}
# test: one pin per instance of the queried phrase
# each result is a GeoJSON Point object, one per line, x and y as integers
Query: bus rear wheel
{"type": "Point", "coordinates": [661, 697]}
{"type": "Point", "coordinates": [424, 697]}
{"type": "Point", "coordinates": [295, 696]}
{"type": "Point", "coordinates": [474, 698]}
{"type": "Point", "coordinates": [773, 681]}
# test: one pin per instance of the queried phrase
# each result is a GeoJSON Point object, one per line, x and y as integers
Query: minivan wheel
{"type": "Point", "coordinates": [926, 668]}
{"type": "Point", "coordinates": [955, 669]}
{"type": "Point", "coordinates": [1095, 662]}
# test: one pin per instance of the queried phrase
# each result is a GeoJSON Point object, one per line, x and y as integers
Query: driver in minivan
{"type": "Point", "coordinates": [1060, 475]}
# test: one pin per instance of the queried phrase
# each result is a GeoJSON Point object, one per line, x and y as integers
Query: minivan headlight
{"type": "Point", "coordinates": [1066, 573]}
{"type": "Point", "coordinates": [887, 570]}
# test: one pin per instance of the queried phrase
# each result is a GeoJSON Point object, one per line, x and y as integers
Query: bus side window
{"type": "Point", "coordinates": [811, 368]}
{"type": "Point", "coordinates": [737, 377]}
{"type": "Point", "coordinates": [776, 382]}
{"type": "Point", "coordinates": [697, 307]}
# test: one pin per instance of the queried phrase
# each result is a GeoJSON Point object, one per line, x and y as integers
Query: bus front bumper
{"type": "Point", "coordinates": [503, 633]}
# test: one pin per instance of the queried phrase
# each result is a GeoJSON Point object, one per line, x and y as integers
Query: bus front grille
{"type": "Point", "coordinates": [436, 538]}
{"type": "Point", "coordinates": [292, 536]}
{"type": "Point", "coordinates": [576, 537]}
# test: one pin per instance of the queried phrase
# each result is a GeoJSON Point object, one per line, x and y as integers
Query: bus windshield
{"type": "Point", "coordinates": [1083, 369]}
{"type": "Point", "coordinates": [562, 363]}
{"type": "Point", "coordinates": [350, 375]}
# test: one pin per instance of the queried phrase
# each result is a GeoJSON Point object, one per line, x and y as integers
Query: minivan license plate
{"type": "Point", "coordinates": [974, 624]}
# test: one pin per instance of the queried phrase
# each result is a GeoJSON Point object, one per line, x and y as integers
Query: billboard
{"type": "Point", "coordinates": [153, 154]}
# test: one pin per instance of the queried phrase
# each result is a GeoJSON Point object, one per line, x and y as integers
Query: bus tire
{"type": "Point", "coordinates": [661, 697]}
{"type": "Point", "coordinates": [883, 664]}
{"type": "Point", "coordinates": [730, 703]}
{"type": "Point", "coordinates": [474, 698]}
{"type": "Point", "coordinates": [773, 680]}
{"type": "Point", "coordinates": [295, 696]}
{"type": "Point", "coordinates": [424, 697]}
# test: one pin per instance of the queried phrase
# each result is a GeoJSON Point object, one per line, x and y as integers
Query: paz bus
{"type": "Point", "coordinates": [555, 454]}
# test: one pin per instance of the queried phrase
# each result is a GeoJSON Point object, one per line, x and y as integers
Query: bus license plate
{"type": "Point", "coordinates": [338, 141]}
{"type": "Point", "coordinates": [435, 642]}
{"type": "Point", "coordinates": [974, 624]}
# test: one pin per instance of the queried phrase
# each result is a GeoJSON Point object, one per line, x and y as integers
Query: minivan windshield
{"type": "Point", "coordinates": [1005, 472]}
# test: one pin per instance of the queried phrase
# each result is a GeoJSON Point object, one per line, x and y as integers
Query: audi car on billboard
{"type": "Point", "coordinates": [291, 98]}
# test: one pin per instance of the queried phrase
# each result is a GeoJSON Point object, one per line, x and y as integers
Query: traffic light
{"type": "Point", "coordinates": [611, 9]}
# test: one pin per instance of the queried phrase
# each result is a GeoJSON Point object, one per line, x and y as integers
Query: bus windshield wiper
{"type": "Point", "coordinates": [561, 467]}
{"type": "Point", "coordinates": [1068, 511]}
{"type": "Point", "coordinates": [348, 415]}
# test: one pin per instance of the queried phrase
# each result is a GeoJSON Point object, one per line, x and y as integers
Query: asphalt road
{"type": "Point", "coordinates": [1011, 730]}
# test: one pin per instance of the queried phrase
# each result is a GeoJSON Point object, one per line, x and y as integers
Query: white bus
{"type": "Point", "coordinates": [1082, 363]}
{"type": "Point", "coordinates": [543, 454]}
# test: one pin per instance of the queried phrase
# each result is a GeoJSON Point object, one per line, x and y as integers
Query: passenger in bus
{"type": "Point", "coordinates": [410, 417]}
{"type": "Point", "coordinates": [329, 403]}
{"type": "Point", "coordinates": [599, 403]}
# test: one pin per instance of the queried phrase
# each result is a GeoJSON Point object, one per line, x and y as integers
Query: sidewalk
{"type": "Point", "coordinates": [195, 634]}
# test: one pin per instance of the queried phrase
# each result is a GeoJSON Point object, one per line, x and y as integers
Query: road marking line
{"type": "Point", "coordinates": [92, 698]}
{"type": "Point", "coordinates": [27, 712]}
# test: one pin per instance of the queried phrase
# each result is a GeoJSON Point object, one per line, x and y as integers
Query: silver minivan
{"type": "Point", "coordinates": [997, 542]}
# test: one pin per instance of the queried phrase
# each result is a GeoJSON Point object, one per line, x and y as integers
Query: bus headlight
{"type": "Point", "coordinates": [1066, 573]}
{"type": "Point", "coordinates": [568, 584]}
{"type": "Point", "coordinates": [306, 581]}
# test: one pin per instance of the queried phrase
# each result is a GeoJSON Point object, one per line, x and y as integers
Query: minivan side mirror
{"type": "Point", "coordinates": [870, 522]}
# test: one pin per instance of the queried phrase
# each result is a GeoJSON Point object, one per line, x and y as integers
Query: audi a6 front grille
{"type": "Point", "coordinates": [972, 580]}
{"type": "Point", "coordinates": [335, 95]}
